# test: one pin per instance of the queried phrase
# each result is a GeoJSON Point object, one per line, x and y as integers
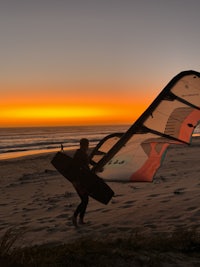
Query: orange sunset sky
{"type": "Point", "coordinates": [64, 106]}
{"type": "Point", "coordinates": [91, 62]}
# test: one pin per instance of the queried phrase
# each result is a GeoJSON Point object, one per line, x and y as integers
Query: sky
{"type": "Point", "coordinates": [78, 62]}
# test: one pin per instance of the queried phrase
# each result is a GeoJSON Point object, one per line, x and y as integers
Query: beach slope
{"type": "Point", "coordinates": [34, 196]}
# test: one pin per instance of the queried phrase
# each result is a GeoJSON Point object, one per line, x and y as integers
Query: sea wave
{"type": "Point", "coordinates": [13, 140]}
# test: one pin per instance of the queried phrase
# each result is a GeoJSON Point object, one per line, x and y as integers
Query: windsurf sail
{"type": "Point", "coordinates": [171, 119]}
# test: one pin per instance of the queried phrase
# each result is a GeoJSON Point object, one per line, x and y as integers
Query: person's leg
{"type": "Point", "coordinates": [77, 211]}
{"type": "Point", "coordinates": [83, 207]}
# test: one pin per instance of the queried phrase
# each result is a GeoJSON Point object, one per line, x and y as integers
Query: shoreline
{"type": "Point", "coordinates": [26, 141]}
{"type": "Point", "coordinates": [41, 152]}
{"type": "Point", "coordinates": [20, 154]}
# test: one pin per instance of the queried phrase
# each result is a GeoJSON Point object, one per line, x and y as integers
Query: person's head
{"type": "Point", "coordinates": [84, 143]}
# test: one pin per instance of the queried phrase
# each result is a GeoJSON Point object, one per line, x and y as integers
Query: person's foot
{"type": "Point", "coordinates": [81, 221]}
{"type": "Point", "coordinates": [74, 221]}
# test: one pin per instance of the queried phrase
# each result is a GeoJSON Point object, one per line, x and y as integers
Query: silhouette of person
{"type": "Point", "coordinates": [81, 163]}
{"type": "Point", "coordinates": [62, 147]}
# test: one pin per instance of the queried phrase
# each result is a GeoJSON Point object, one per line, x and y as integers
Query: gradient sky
{"type": "Point", "coordinates": [91, 62]}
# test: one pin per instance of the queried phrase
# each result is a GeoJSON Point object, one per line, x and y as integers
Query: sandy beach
{"type": "Point", "coordinates": [35, 196]}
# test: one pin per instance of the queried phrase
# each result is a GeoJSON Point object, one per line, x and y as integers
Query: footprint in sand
{"type": "Point", "coordinates": [68, 206]}
{"type": "Point", "coordinates": [121, 229]}
{"type": "Point", "coordinates": [51, 208]}
{"type": "Point", "coordinates": [104, 211]}
{"type": "Point", "coordinates": [96, 210]}
{"type": "Point", "coordinates": [154, 195]}
{"type": "Point", "coordinates": [29, 209]}
{"type": "Point", "coordinates": [197, 214]}
{"type": "Point", "coordinates": [43, 219]}
{"type": "Point", "coordinates": [128, 204]}
{"type": "Point", "coordinates": [186, 199]}
{"type": "Point", "coordinates": [38, 229]}
{"type": "Point", "coordinates": [164, 201]}
{"type": "Point", "coordinates": [105, 224]}
{"type": "Point", "coordinates": [62, 216]}
{"type": "Point", "coordinates": [24, 223]}
{"type": "Point", "coordinates": [114, 202]}
{"type": "Point", "coordinates": [174, 217]}
{"type": "Point", "coordinates": [3, 204]}
{"type": "Point", "coordinates": [4, 225]}
{"type": "Point", "coordinates": [52, 229]}
{"type": "Point", "coordinates": [178, 191]}
{"type": "Point", "coordinates": [150, 225]}
{"type": "Point", "coordinates": [134, 187]}
{"type": "Point", "coordinates": [191, 208]}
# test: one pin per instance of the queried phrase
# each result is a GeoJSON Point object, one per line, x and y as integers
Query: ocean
{"type": "Point", "coordinates": [16, 142]}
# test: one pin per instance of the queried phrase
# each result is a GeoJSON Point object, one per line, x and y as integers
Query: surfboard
{"type": "Point", "coordinates": [94, 185]}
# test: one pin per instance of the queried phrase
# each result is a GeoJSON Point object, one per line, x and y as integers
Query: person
{"type": "Point", "coordinates": [81, 163]}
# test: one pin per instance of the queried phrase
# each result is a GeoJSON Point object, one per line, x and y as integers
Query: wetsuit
{"type": "Point", "coordinates": [81, 162]}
